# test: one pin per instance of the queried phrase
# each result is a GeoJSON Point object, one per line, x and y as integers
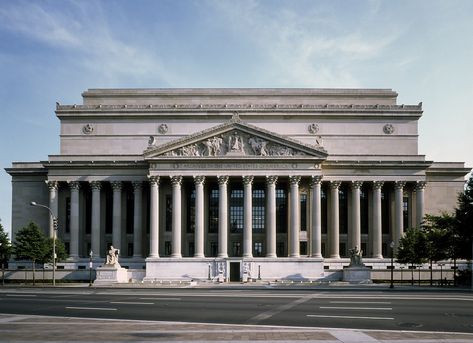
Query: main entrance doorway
{"type": "Point", "coordinates": [234, 271]}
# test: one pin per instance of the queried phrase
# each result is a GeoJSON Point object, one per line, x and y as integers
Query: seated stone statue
{"type": "Point", "coordinates": [112, 256]}
{"type": "Point", "coordinates": [355, 257]}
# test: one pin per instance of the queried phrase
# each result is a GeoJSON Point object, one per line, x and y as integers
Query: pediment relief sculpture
{"type": "Point", "coordinates": [234, 143]}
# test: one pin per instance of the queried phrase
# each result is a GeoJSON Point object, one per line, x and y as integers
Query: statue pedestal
{"type": "Point", "coordinates": [357, 274]}
{"type": "Point", "coordinates": [111, 273]}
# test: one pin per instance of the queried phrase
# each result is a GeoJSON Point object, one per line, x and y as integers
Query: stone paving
{"type": "Point", "coordinates": [20, 328]}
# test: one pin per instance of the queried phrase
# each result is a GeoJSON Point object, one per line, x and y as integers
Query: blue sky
{"type": "Point", "coordinates": [53, 50]}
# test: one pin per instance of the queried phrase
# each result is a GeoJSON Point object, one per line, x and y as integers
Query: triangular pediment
{"type": "Point", "coordinates": [235, 139]}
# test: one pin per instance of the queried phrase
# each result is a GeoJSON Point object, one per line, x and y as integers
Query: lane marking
{"type": "Point", "coordinates": [357, 308]}
{"type": "Point", "coordinates": [21, 295]}
{"type": "Point", "coordinates": [361, 302]}
{"type": "Point", "coordinates": [349, 317]}
{"type": "Point", "coordinates": [270, 313]}
{"type": "Point", "coordinates": [130, 303]}
{"type": "Point", "coordinates": [171, 299]}
{"type": "Point", "coordinates": [91, 308]}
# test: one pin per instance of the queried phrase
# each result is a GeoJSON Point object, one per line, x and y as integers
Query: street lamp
{"type": "Point", "coordinates": [54, 219]}
{"type": "Point", "coordinates": [392, 264]}
{"type": "Point", "coordinates": [90, 267]}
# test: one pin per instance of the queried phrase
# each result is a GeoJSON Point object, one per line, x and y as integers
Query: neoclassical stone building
{"type": "Point", "coordinates": [236, 183]}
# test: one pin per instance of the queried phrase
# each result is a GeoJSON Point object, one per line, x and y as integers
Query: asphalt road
{"type": "Point", "coordinates": [381, 309]}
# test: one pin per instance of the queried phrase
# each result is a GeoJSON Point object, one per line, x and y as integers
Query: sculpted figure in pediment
{"type": "Point", "coordinates": [213, 146]}
{"type": "Point", "coordinates": [235, 143]}
{"type": "Point", "coordinates": [259, 146]}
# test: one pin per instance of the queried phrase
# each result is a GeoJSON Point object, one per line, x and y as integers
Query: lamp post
{"type": "Point", "coordinates": [54, 219]}
{"type": "Point", "coordinates": [90, 267]}
{"type": "Point", "coordinates": [401, 273]}
{"type": "Point", "coordinates": [392, 264]}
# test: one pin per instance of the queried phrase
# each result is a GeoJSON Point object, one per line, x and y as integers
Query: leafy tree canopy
{"type": "Point", "coordinates": [464, 216]}
{"type": "Point", "coordinates": [5, 246]}
{"type": "Point", "coordinates": [412, 247]}
{"type": "Point", "coordinates": [30, 243]}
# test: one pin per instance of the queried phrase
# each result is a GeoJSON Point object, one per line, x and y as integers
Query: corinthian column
{"type": "Point", "coordinates": [74, 225]}
{"type": "Point", "coordinates": [96, 186]}
{"type": "Point", "coordinates": [248, 220]}
{"type": "Point", "coordinates": [117, 214]}
{"type": "Point", "coordinates": [222, 217]}
{"type": "Point", "coordinates": [176, 216]}
{"type": "Point", "coordinates": [199, 215]}
{"type": "Point", "coordinates": [334, 232]}
{"type": "Point", "coordinates": [377, 220]}
{"type": "Point", "coordinates": [398, 215]}
{"type": "Point", "coordinates": [295, 222]}
{"type": "Point", "coordinates": [420, 186]}
{"type": "Point", "coordinates": [355, 238]}
{"type": "Point", "coordinates": [316, 227]}
{"type": "Point", "coordinates": [271, 216]}
{"type": "Point", "coordinates": [137, 219]}
{"type": "Point", "coordinates": [53, 204]}
{"type": "Point", "coordinates": [154, 217]}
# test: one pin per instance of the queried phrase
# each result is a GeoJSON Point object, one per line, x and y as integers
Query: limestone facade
{"type": "Point", "coordinates": [203, 183]}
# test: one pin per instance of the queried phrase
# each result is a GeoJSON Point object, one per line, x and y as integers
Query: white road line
{"type": "Point", "coordinates": [171, 299]}
{"type": "Point", "coordinates": [21, 295]}
{"type": "Point", "coordinates": [349, 317]}
{"type": "Point", "coordinates": [357, 308]}
{"type": "Point", "coordinates": [91, 308]}
{"type": "Point", "coordinates": [130, 303]}
{"type": "Point", "coordinates": [270, 313]}
{"type": "Point", "coordinates": [362, 302]}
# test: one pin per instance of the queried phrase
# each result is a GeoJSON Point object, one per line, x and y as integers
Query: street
{"type": "Point", "coordinates": [368, 310]}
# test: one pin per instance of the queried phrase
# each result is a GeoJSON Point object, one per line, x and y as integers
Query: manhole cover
{"type": "Point", "coordinates": [409, 325]}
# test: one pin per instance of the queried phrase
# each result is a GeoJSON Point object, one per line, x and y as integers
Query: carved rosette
{"type": "Point", "coordinates": [95, 185]}
{"type": "Point", "coordinates": [116, 185]}
{"type": "Point", "coordinates": [74, 185]}
{"type": "Point", "coordinates": [247, 179]}
{"type": "Point", "coordinates": [52, 185]}
{"type": "Point", "coordinates": [222, 180]}
{"type": "Point", "coordinates": [335, 184]}
{"type": "Point", "coordinates": [294, 180]}
{"type": "Point", "coordinates": [137, 185]}
{"type": "Point", "coordinates": [388, 129]}
{"type": "Point", "coordinates": [313, 128]}
{"type": "Point", "coordinates": [154, 180]}
{"type": "Point", "coordinates": [420, 185]}
{"type": "Point", "coordinates": [315, 180]}
{"type": "Point", "coordinates": [163, 129]}
{"type": "Point", "coordinates": [271, 179]}
{"type": "Point", "coordinates": [87, 129]}
{"type": "Point", "coordinates": [176, 180]}
{"type": "Point", "coordinates": [399, 184]}
{"type": "Point", "coordinates": [199, 179]}
{"type": "Point", "coordinates": [356, 184]}
{"type": "Point", "coordinates": [378, 184]}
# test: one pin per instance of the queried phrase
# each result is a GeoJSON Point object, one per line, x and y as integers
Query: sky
{"type": "Point", "coordinates": [54, 50]}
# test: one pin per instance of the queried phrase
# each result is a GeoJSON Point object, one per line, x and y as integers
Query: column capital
{"type": "Point", "coordinates": [116, 185]}
{"type": "Point", "coordinates": [335, 184]}
{"type": "Point", "coordinates": [95, 185]}
{"type": "Point", "coordinates": [378, 184]}
{"type": "Point", "coordinates": [74, 185]}
{"type": "Point", "coordinates": [137, 185]}
{"type": "Point", "coordinates": [199, 179]}
{"type": "Point", "coordinates": [315, 180]}
{"type": "Point", "coordinates": [154, 180]}
{"type": "Point", "coordinates": [420, 185]}
{"type": "Point", "coordinates": [176, 180]}
{"type": "Point", "coordinates": [247, 179]}
{"type": "Point", "coordinates": [356, 184]}
{"type": "Point", "coordinates": [222, 179]}
{"type": "Point", "coordinates": [52, 185]}
{"type": "Point", "coordinates": [399, 184]}
{"type": "Point", "coordinates": [271, 179]}
{"type": "Point", "coordinates": [294, 180]}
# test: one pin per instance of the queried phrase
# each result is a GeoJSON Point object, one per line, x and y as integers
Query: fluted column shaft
{"type": "Point", "coordinates": [271, 216]}
{"type": "Point", "coordinates": [222, 217]}
{"type": "Point", "coordinates": [74, 225]}
{"type": "Point", "coordinates": [137, 219]}
{"type": "Point", "coordinates": [53, 204]}
{"type": "Point", "coordinates": [355, 238]}
{"type": "Point", "coordinates": [176, 216]}
{"type": "Point", "coordinates": [295, 222]}
{"type": "Point", "coordinates": [420, 186]}
{"type": "Point", "coordinates": [199, 216]}
{"type": "Point", "coordinates": [377, 220]}
{"type": "Point", "coordinates": [334, 232]}
{"type": "Point", "coordinates": [96, 186]}
{"type": "Point", "coordinates": [154, 216]}
{"type": "Point", "coordinates": [398, 215]}
{"type": "Point", "coordinates": [316, 227]}
{"type": "Point", "coordinates": [248, 219]}
{"type": "Point", "coordinates": [117, 215]}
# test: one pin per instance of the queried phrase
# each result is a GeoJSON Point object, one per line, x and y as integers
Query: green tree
{"type": "Point", "coordinates": [464, 217]}
{"type": "Point", "coordinates": [31, 244]}
{"type": "Point", "coordinates": [61, 253]}
{"type": "Point", "coordinates": [5, 250]}
{"type": "Point", "coordinates": [412, 248]}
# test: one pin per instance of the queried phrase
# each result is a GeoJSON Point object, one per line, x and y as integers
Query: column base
{"type": "Point", "coordinates": [337, 256]}
{"type": "Point", "coordinates": [176, 256]}
{"type": "Point", "coordinates": [316, 256]}
{"type": "Point", "coordinates": [250, 256]}
{"type": "Point", "coordinates": [199, 256]}
{"type": "Point", "coordinates": [273, 255]}
{"type": "Point", "coordinates": [377, 256]}
{"type": "Point", "coordinates": [295, 255]}
{"type": "Point", "coordinates": [222, 256]}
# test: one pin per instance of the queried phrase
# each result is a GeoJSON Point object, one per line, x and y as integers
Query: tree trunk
{"type": "Point", "coordinates": [34, 273]}
{"type": "Point", "coordinates": [412, 274]}
{"type": "Point", "coordinates": [431, 273]}
{"type": "Point", "coordinates": [455, 272]}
